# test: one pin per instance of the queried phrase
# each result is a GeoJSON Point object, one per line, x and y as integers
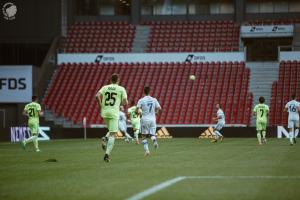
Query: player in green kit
{"type": "Point", "coordinates": [109, 98]}
{"type": "Point", "coordinates": [33, 111]}
{"type": "Point", "coordinates": [261, 111]}
{"type": "Point", "coordinates": [135, 118]}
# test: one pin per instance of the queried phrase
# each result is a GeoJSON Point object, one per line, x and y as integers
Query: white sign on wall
{"type": "Point", "coordinates": [267, 31]}
{"type": "Point", "coordinates": [289, 55]}
{"type": "Point", "coordinates": [151, 57]}
{"type": "Point", "coordinates": [18, 134]}
{"type": "Point", "coordinates": [15, 84]}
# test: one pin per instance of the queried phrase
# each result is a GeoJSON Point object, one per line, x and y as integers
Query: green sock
{"type": "Point", "coordinates": [36, 143]}
{"type": "Point", "coordinates": [136, 134]}
{"type": "Point", "coordinates": [32, 138]}
{"type": "Point", "coordinates": [259, 137]}
{"type": "Point", "coordinates": [264, 134]}
{"type": "Point", "coordinates": [110, 144]}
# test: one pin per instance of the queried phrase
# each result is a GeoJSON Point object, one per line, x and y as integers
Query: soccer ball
{"type": "Point", "coordinates": [192, 77]}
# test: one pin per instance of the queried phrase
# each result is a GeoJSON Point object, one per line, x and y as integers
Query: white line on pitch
{"type": "Point", "coordinates": [170, 182]}
{"type": "Point", "coordinates": [156, 188]}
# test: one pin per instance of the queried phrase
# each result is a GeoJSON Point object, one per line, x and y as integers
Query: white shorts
{"type": "Point", "coordinates": [122, 127]}
{"type": "Point", "coordinates": [219, 126]}
{"type": "Point", "coordinates": [148, 127]}
{"type": "Point", "coordinates": [293, 123]}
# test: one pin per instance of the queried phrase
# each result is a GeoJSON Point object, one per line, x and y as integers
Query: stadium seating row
{"type": "Point", "coordinates": [287, 84]}
{"type": "Point", "coordinates": [184, 101]}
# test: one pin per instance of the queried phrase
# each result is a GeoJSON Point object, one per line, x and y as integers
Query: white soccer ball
{"type": "Point", "coordinates": [192, 77]}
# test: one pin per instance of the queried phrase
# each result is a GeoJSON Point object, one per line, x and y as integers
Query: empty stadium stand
{"type": "Point", "coordinates": [99, 36]}
{"type": "Point", "coordinates": [272, 22]}
{"type": "Point", "coordinates": [71, 93]}
{"type": "Point", "coordinates": [288, 84]}
{"type": "Point", "coordinates": [193, 36]}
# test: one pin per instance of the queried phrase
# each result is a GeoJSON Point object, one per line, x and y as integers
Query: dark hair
{"type": "Point", "coordinates": [114, 78]}
{"type": "Point", "coordinates": [293, 96]}
{"type": "Point", "coordinates": [261, 100]}
{"type": "Point", "coordinates": [219, 105]}
{"type": "Point", "coordinates": [146, 90]}
{"type": "Point", "coordinates": [34, 98]}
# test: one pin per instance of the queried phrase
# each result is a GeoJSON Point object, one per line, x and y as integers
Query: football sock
{"type": "Point", "coordinates": [259, 137]}
{"type": "Point", "coordinates": [145, 143]}
{"type": "Point", "coordinates": [36, 143]}
{"type": "Point", "coordinates": [264, 134]}
{"type": "Point", "coordinates": [127, 135]}
{"type": "Point", "coordinates": [110, 144]}
{"type": "Point", "coordinates": [291, 137]}
{"type": "Point", "coordinates": [136, 134]}
{"type": "Point", "coordinates": [218, 134]}
{"type": "Point", "coordinates": [32, 138]}
{"type": "Point", "coordinates": [154, 140]}
{"type": "Point", "coordinates": [296, 132]}
{"type": "Point", "coordinates": [107, 135]}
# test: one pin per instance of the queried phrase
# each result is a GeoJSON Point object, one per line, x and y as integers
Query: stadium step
{"type": "Point", "coordinates": [141, 38]}
{"type": "Point", "coordinates": [262, 76]}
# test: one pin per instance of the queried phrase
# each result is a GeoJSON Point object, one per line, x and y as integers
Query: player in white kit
{"type": "Point", "coordinates": [150, 107]}
{"type": "Point", "coordinates": [293, 108]}
{"type": "Point", "coordinates": [221, 122]}
{"type": "Point", "coordinates": [123, 125]}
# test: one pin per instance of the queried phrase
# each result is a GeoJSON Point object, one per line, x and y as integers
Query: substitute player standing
{"type": "Point", "coordinates": [149, 107]}
{"type": "Point", "coordinates": [33, 112]}
{"type": "Point", "coordinates": [261, 111]}
{"type": "Point", "coordinates": [109, 98]}
{"type": "Point", "coordinates": [134, 114]}
{"type": "Point", "coordinates": [221, 122]}
{"type": "Point", "coordinates": [293, 108]}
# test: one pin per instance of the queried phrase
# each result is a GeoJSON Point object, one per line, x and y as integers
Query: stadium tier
{"type": "Point", "coordinates": [97, 36]}
{"type": "Point", "coordinates": [273, 22]}
{"type": "Point", "coordinates": [193, 36]}
{"type": "Point", "coordinates": [71, 93]}
{"type": "Point", "coordinates": [288, 84]}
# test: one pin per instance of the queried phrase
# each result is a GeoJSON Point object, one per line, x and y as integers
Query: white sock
{"type": "Point", "coordinates": [145, 143]}
{"type": "Point", "coordinates": [296, 132]}
{"type": "Point", "coordinates": [218, 133]}
{"type": "Point", "coordinates": [291, 137]}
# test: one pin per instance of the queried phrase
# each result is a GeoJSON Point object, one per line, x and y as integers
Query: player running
{"type": "Point", "coordinates": [123, 125]}
{"type": "Point", "coordinates": [261, 111]}
{"type": "Point", "coordinates": [109, 98]}
{"type": "Point", "coordinates": [135, 118]}
{"type": "Point", "coordinates": [150, 107]}
{"type": "Point", "coordinates": [33, 112]}
{"type": "Point", "coordinates": [293, 108]}
{"type": "Point", "coordinates": [221, 122]}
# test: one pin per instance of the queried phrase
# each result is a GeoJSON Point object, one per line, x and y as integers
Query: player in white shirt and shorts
{"type": "Point", "coordinates": [221, 123]}
{"type": "Point", "coordinates": [293, 108]}
{"type": "Point", "coordinates": [123, 124]}
{"type": "Point", "coordinates": [150, 107]}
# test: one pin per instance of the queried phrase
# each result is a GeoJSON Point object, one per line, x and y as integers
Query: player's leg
{"type": "Point", "coordinates": [291, 131]}
{"type": "Point", "coordinates": [145, 132]}
{"type": "Point", "coordinates": [136, 131]}
{"type": "Point", "coordinates": [217, 130]}
{"type": "Point", "coordinates": [34, 136]}
{"type": "Point", "coordinates": [112, 125]}
{"type": "Point", "coordinates": [296, 130]}
{"type": "Point", "coordinates": [263, 132]}
{"type": "Point", "coordinates": [259, 130]}
{"type": "Point", "coordinates": [152, 133]}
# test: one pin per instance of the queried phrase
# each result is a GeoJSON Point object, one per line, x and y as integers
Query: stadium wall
{"type": "Point", "coordinates": [177, 132]}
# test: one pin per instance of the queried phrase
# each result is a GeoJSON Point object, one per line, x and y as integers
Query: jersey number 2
{"type": "Point", "coordinates": [110, 99]}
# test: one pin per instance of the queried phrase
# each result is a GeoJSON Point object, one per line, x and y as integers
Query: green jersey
{"type": "Point", "coordinates": [134, 117]}
{"type": "Point", "coordinates": [112, 96]}
{"type": "Point", "coordinates": [261, 111]}
{"type": "Point", "coordinates": [33, 110]}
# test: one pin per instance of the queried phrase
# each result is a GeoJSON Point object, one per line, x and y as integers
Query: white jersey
{"type": "Point", "coordinates": [122, 119]}
{"type": "Point", "coordinates": [293, 109]}
{"type": "Point", "coordinates": [221, 116]}
{"type": "Point", "coordinates": [149, 105]}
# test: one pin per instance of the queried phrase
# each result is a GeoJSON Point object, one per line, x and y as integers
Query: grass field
{"type": "Point", "coordinates": [219, 170]}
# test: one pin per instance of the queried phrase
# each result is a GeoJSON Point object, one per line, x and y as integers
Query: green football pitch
{"type": "Point", "coordinates": [179, 169]}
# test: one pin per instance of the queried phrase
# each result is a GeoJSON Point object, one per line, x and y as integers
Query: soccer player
{"type": "Point", "coordinates": [150, 107]}
{"type": "Point", "coordinates": [261, 111]}
{"type": "Point", "coordinates": [293, 108]}
{"type": "Point", "coordinates": [221, 122]}
{"type": "Point", "coordinates": [109, 98]}
{"type": "Point", "coordinates": [134, 114]}
{"type": "Point", "coordinates": [33, 112]}
{"type": "Point", "coordinates": [123, 125]}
